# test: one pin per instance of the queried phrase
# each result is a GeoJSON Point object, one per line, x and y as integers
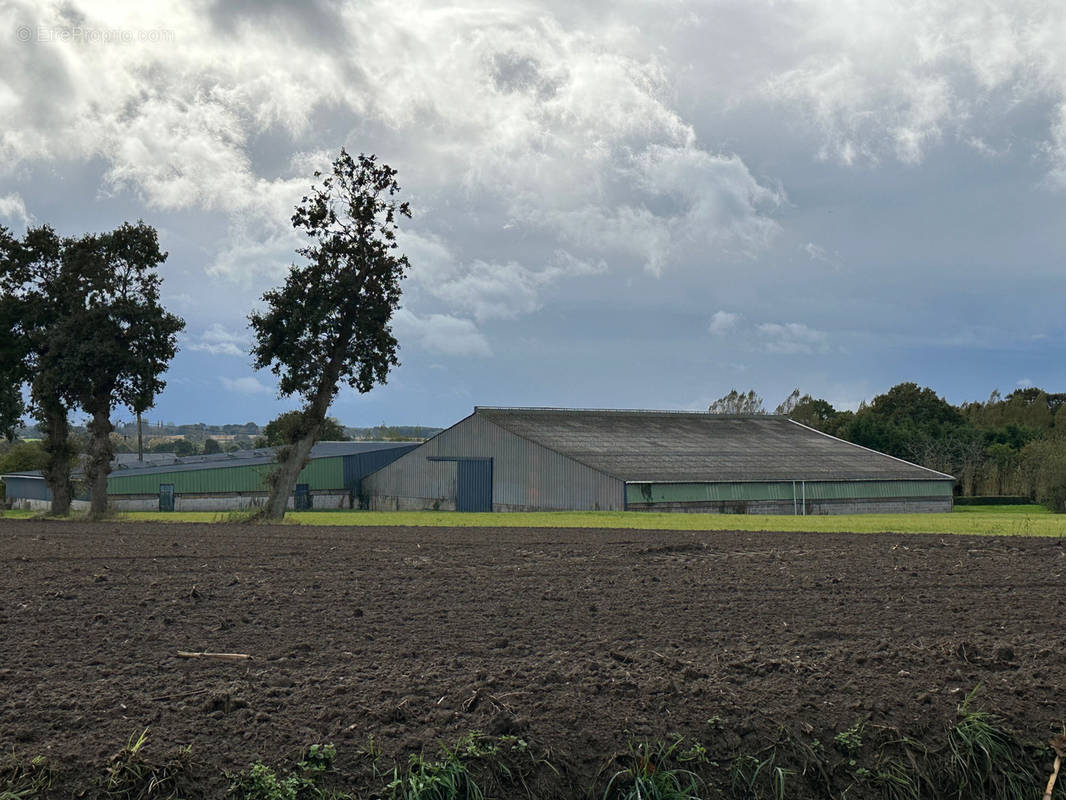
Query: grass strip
{"type": "Point", "coordinates": [1003, 521]}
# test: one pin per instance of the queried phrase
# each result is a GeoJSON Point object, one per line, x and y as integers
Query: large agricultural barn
{"type": "Point", "coordinates": [519, 459]}
{"type": "Point", "coordinates": [224, 481]}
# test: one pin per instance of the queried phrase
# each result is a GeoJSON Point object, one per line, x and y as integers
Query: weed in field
{"type": "Point", "coordinates": [447, 779]}
{"type": "Point", "coordinates": [24, 781]}
{"type": "Point", "coordinates": [752, 779]}
{"type": "Point", "coordinates": [372, 751]}
{"type": "Point", "coordinates": [696, 754]}
{"type": "Point", "coordinates": [131, 776]}
{"type": "Point", "coordinates": [650, 777]}
{"type": "Point", "coordinates": [261, 782]}
{"type": "Point", "coordinates": [984, 760]}
{"type": "Point", "coordinates": [504, 764]}
{"type": "Point", "coordinates": [893, 781]}
{"type": "Point", "coordinates": [849, 742]}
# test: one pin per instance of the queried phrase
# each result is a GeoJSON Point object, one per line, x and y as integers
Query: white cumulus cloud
{"type": "Point", "coordinates": [218, 341]}
{"type": "Point", "coordinates": [246, 385]}
{"type": "Point", "coordinates": [722, 322]}
{"type": "Point", "coordinates": [13, 208]}
{"type": "Point", "coordinates": [440, 333]}
{"type": "Point", "coordinates": [791, 338]}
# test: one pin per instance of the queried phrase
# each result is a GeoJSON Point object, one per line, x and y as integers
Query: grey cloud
{"type": "Point", "coordinates": [512, 72]}
{"type": "Point", "coordinates": [316, 23]}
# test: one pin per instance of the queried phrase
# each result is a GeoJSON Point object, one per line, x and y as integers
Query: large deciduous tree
{"type": "Point", "coordinates": [330, 321]}
{"type": "Point", "coordinates": [13, 371]}
{"type": "Point", "coordinates": [119, 340]}
{"type": "Point", "coordinates": [33, 301]}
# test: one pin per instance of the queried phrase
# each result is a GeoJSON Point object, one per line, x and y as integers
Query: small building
{"type": "Point", "coordinates": [548, 459]}
{"type": "Point", "coordinates": [222, 481]}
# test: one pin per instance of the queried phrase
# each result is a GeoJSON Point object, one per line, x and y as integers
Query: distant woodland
{"type": "Point", "coordinates": [1005, 445]}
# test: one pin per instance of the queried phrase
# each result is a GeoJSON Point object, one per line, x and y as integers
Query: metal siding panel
{"type": "Point", "coordinates": [321, 473]}
{"type": "Point", "coordinates": [249, 478]}
{"type": "Point", "coordinates": [27, 488]}
{"type": "Point", "coordinates": [359, 465]}
{"type": "Point", "coordinates": [525, 474]}
{"type": "Point", "coordinates": [779, 490]}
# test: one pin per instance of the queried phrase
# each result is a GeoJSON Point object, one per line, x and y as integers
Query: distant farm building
{"type": "Point", "coordinates": [223, 481]}
{"type": "Point", "coordinates": [533, 459]}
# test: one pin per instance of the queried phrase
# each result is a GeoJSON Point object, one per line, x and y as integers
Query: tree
{"type": "Point", "coordinates": [22, 456]}
{"type": "Point", "coordinates": [330, 321]}
{"type": "Point", "coordinates": [13, 371]}
{"type": "Point", "coordinates": [285, 430]}
{"type": "Point", "coordinates": [1044, 461]}
{"type": "Point", "coordinates": [211, 446]}
{"type": "Point", "coordinates": [737, 403]}
{"type": "Point", "coordinates": [32, 302]}
{"type": "Point", "coordinates": [113, 340]}
{"type": "Point", "coordinates": [906, 422]}
{"type": "Point", "coordinates": [788, 405]}
{"type": "Point", "coordinates": [179, 447]}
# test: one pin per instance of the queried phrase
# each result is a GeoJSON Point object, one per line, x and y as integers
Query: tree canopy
{"type": "Point", "coordinates": [286, 428]}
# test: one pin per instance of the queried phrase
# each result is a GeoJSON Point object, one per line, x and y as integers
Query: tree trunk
{"type": "Point", "coordinates": [295, 457]}
{"type": "Point", "coordinates": [292, 459]}
{"type": "Point", "coordinates": [60, 454]}
{"type": "Point", "coordinates": [100, 454]}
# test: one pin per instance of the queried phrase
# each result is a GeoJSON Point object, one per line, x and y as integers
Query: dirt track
{"type": "Point", "coordinates": [579, 640]}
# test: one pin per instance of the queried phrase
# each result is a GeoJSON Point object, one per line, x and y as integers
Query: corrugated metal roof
{"type": "Point", "coordinates": [669, 446]}
{"type": "Point", "coordinates": [238, 458]}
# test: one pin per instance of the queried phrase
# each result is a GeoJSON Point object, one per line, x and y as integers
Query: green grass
{"type": "Point", "coordinates": [993, 509]}
{"type": "Point", "coordinates": [967, 520]}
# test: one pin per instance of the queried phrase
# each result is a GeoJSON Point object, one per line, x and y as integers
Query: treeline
{"type": "Point", "coordinates": [1002, 446]}
{"type": "Point", "coordinates": [392, 433]}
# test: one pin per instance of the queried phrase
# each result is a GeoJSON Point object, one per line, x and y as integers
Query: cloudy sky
{"type": "Point", "coordinates": [616, 204]}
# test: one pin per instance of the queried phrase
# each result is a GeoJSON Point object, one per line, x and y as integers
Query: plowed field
{"type": "Point", "coordinates": [577, 641]}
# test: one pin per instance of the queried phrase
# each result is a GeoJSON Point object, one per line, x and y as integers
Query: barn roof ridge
{"type": "Point", "coordinates": [633, 411]}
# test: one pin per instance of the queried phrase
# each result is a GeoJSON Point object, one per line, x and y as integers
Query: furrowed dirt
{"type": "Point", "coordinates": [578, 641]}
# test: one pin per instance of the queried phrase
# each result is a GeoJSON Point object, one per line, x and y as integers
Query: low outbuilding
{"type": "Point", "coordinates": [223, 481]}
{"type": "Point", "coordinates": [548, 459]}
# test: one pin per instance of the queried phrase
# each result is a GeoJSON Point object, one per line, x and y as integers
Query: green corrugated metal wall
{"type": "Point", "coordinates": [321, 473]}
{"type": "Point", "coordinates": [820, 490]}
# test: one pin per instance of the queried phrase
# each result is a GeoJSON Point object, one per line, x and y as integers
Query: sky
{"type": "Point", "coordinates": [615, 204]}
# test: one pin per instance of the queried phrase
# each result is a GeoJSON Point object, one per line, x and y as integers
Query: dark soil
{"type": "Point", "coordinates": [578, 641]}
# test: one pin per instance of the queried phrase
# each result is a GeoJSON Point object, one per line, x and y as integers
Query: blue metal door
{"type": "Point", "coordinates": [473, 485]}
{"type": "Point", "coordinates": [301, 501]}
{"type": "Point", "coordinates": [166, 497]}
